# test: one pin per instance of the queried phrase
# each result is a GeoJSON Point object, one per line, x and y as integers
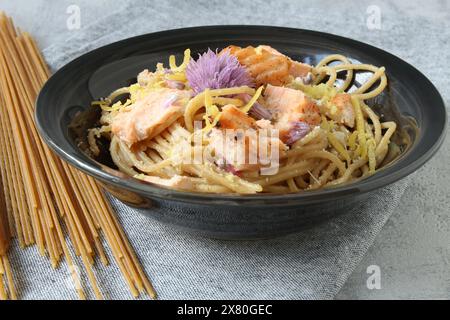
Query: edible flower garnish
{"type": "Point", "coordinates": [216, 71]}
{"type": "Point", "coordinates": [252, 101]}
{"type": "Point", "coordinates": [257, 111]}
{"type": "Point", "coordinates": [298, 131]}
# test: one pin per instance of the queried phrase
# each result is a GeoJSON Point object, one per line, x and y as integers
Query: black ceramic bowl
{"type": "Point", "coordinates": [411, 100]}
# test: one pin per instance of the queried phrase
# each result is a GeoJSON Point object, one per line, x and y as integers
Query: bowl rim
{"type": "Point", "coordinates": [154, 191]}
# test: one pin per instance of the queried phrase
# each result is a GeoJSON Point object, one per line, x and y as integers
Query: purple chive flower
{"type": "Point", "coordinates": [257, 111]}
{"type": "Point", "coordinates": [231, 169]}
{"type": "Point", "coordinates": [174, 84]}
{"type": "Point", "coordinates": [298, 130]}
{"type": "Point", "coordinates": [214, 71]}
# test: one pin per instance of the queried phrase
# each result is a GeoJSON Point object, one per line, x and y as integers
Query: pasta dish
{"type": "Point", "coordinates": [246, 120]}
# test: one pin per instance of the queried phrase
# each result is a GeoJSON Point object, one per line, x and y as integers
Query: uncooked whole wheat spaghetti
{"type": "Point", "coordinates": [42, 197]}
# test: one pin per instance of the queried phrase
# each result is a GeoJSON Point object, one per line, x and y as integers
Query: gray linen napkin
{"type": "Point", "coordinates": [313, 264]}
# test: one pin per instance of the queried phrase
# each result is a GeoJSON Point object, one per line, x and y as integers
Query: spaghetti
{"type": "Point", "coordinates": [326, 134]}
{"type": "Point", "coordinates": [43, 195]}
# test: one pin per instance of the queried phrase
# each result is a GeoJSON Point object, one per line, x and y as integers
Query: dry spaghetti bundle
{"type": "Point", "coordinates": [42, 197]}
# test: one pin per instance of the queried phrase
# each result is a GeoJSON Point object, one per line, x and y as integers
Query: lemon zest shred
{"type": "Point", "coordinates": [106, 108]}
{"type": "Point", "coordinates": [324, 124]}
{"type": "Point", "coordinates": [211, 111]}
{"type": "Point", "coordinates": [137, 91]}
{"type": "Point", "coordinates": [333, 109]}
{"type": "Point", "coordinates": [179, 76]}
{"type": "Point", "coordinates": [116, 106]}
{"type": "Point", "coordinates": [157, 84]}
{"type": "Point", "coordinates": [159, 67]}
{"type": "Point", "coordinates": [103, 105]}
{"type": "Point", "coordinates": [208, 124]}
{"type": "Point", "coordinates": [327, 124]}
{"type": "Point", "coordinates": [338, 146]}
{"type": "Point", "coordinates": [183, 65]}
{"type": "Point", "coordinates": [134, 90]}
{"type": "Point", "coordinates": [371, 145]}
{"type": "Point", "coordinates": [352, 140]}
{"type": "Point", "coordinates": [187, 58]}
{"type": "Point", "coordinates": [99, 103]}
{"type": "Point", "coordinates": [224, 101]}
{"type": "Point", "coordinates": [119, 105]}
{"type": "Point", "coordinates": [252, 101]}
{"type": "Point", "coordinates": [319, 91]}
{"type": "Point", "coordinates": [172, 62]}
{"type": "Point", "coordinates": [208, 101]}
{"type": "Point", "coordinates": [360, 128]}
{"type": "Point", "coordinates": [334, 141]}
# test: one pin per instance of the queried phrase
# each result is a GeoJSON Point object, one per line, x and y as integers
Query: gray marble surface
{"type": "Point", "coordinates": [412, 250]}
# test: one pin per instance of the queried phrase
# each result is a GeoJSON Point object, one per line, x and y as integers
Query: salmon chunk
{"type": "Point", "coordinates": [296, 69]}
{"type": "Point", "coordinates": [267, 65]}
{"type": "Point", "coordinates": [149, 116]}
{"type": "Point", "coordinates": [234, 118]}
{"type": "Point", "coordinates": [240, 150]}
{"type": "Point", "coordinates": [341, 110]}
{"type": "Point", "coordinates": [232, 150]}
{"type": "Point", "coordinates": [263, 66]}
{"type": "Point", "coordinates": [288, 107]}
